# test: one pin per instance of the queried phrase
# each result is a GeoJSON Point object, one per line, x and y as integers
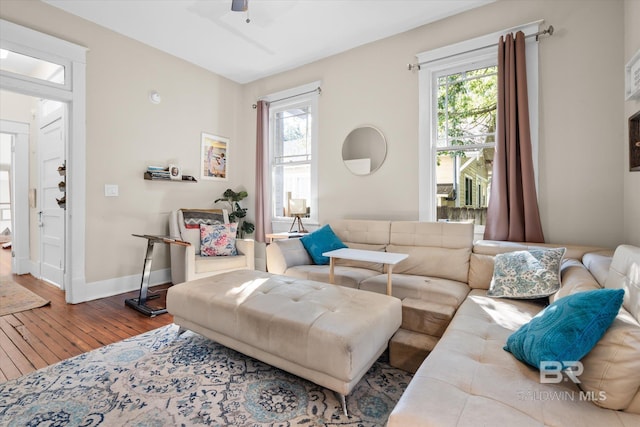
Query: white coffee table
{"type": "Point", "coordinates": [387, 258]}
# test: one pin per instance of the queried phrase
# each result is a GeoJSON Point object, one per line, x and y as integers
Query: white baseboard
{"type": "Point", "coordinates": [119, 285]}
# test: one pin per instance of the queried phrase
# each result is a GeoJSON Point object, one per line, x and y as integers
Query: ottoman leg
{"type": "Point", "coordinates": [181, 330]}
{"type": "Point", "coordinates": [343, 402]}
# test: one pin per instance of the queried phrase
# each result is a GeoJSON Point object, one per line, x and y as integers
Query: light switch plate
{"type": "Point", "coordinates": [111, 190]}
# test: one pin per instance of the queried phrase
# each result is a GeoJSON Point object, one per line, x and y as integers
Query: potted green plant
{"type": "Point", "coordinates": [237, 212]}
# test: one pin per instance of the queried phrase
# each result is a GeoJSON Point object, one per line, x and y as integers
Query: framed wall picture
{"type": "Point", "coordinates": [634, 142]}
{"type": "Point", "coordinates": [214, 157]}
{"type": "Point", "coordinates": [632, 77]}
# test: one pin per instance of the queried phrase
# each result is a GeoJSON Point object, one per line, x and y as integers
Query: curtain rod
{"type": "Point", "coordinates": [537, 35]}
{"type": "Point", "coordinates": [318, 89]}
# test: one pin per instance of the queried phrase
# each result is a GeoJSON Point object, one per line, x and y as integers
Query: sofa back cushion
{"type": "Point", "coordinates": [612, 368]}
{"type": "Point", "coordinates": [484, 251]}
{"type": "Point", "coordinates": [370, 232]}
{"type": "Point", "coordinates": [438, 249]}
{"type": "Point", "coordinates": [624, 273]}
{"type": "Point", "coordinates": [448, 235]}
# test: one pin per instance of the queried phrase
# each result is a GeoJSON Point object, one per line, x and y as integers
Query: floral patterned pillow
{"type": "Point", "coordinates": [526, 274]}
{"type": "Point", "coordinates": [218, 239]}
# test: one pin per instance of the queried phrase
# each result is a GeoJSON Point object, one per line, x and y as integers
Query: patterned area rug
{"type": "Point", "coordinates": [159, 379]}
{"type": "Point", "coordinates": [15, 298]}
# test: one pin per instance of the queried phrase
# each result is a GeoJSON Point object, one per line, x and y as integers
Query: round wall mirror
{"type": "Point", "coordinates": [364, 150]}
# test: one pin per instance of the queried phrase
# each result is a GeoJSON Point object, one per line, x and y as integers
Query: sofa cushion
{"type": "Point", "coordinates": [286, 253]}
{"type": "Point", "coordinates": [613, 365]}
{"type": "Point", "coordinates": [218, 239]}
{"type": "Point", "coordinates": [434, 289]}
{"type": "Point", "coordinates": [480, 271]}
{"type": "Point", "coordinates": [598, 264]}
{"type": "Point", "coordinates": [377, 267]}
{"type": "Point", "coordinates": [567, 329]}
{"type": "Point", "coordinates": [452, 264]}
{"type": "Point", "coordinates": [526, 274]}
{"type": "Point", "coordinates": [575, 278]}
{"type": "Point", "coordinates": [321, 240]}
{"type": "Point", "coordinates": [349, 277]}
{"type": "Point", "coordinates": [624, 273]}
{"type": "Point", "coordinates": [468, 380]}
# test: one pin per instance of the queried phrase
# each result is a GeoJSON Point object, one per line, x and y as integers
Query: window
{"type": "Point", "coordinates": [293, 142]}
{"type": "Point", "coordinates": [457, 108]}
{"type": "Point", "coordinates": [465, 102]}
{"type": "Point", "coordinates": [31, 68]}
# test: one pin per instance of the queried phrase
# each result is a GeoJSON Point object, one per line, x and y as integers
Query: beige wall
{"type": "Point", "coordinates": [580, 155]}
{"type": "Point", "coordinates": [125, 133]}
{"type": "Point", "coordinates": [631, 179]}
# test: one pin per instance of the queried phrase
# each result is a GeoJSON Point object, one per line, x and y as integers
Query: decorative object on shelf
{"type": "Point", "coordinates": [237, 212]}
{"type": "Point", "coordinates": [214, 157]}
{"type": "Point", "coordinates": [170, 173]}
{"type": "Point", "coordinates": [632, 77]}
{"type": "Point", "coordinates": [634, 142]}
{"type": "Point", "coordinates": [175, 172]}
{"type": "Point", "coordinates": [364, 150]}
{"type": "Point", "coordinates": [62, 202]}
{"type": "Point", "coordinates": [62, 186]}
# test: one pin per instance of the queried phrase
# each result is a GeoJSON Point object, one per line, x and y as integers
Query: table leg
{"type": "Point", "coordinates": [331, 271]}
{"type": "Point", "coordinates": [389, 268]}
{"type": "Point", "coordinates": [140, 303]}
{"type": "Point", "coordinates": [146, 273]}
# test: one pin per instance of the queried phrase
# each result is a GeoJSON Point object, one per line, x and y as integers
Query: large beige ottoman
{"type": "Point", "coordinates": [327, 334]}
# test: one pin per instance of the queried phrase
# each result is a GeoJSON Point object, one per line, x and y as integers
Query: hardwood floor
{"type": "Point", "coordinates": [36, 338]}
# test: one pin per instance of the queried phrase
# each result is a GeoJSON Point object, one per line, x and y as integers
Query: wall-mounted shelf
{"type": "Point", "coordinates": [185, 178]}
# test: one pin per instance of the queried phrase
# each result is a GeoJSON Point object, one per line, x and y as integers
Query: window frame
{"type": "Point", "coordinates": [302, 95]}
{"type": "Point", "coordinates": [464, 55]}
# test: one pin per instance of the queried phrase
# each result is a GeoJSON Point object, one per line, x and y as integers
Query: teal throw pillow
{"type": "Point", "coordinates": [568, 329]}
{"type": "Point", "coordinates": [320, 241]}
{"type": "Point", "coordinates": [526, 274]}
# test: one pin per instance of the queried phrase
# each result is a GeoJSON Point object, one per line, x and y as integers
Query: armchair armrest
{"type": "Point", "coordinates": [283, 254]}
{"type": "Point", "coordinates": [247, 247]}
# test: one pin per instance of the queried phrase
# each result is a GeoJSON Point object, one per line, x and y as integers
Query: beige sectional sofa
{"type": "Point", "coordinates": [468, 378]}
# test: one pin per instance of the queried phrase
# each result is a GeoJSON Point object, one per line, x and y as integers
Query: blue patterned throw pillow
{"type": "Point", "coordinates": [320, 241]}
{"type": "Point", "coordinates": [526, 274]}
{"type": "Point", "coordinates": [567, 329]}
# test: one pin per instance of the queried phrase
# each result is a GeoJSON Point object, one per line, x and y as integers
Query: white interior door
{"type": "Point", "coordinates": [51, 156]}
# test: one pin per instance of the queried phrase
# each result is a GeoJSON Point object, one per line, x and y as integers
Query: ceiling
{"type": "Point", "coordinates": [282, 34]}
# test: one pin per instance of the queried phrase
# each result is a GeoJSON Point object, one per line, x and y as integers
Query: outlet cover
{"type": "Point", "coordinates": [111, 190]}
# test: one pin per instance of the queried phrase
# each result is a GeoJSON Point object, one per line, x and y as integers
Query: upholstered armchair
{"type": "Point", "coordinates": [187, 262]}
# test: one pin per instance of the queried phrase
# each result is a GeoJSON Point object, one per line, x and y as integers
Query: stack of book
{"type": "Point", "coordinates": [157, 172]}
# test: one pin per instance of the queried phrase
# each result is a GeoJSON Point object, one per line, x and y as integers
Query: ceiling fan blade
{"type": "Point", "coordinates": [239, 5]}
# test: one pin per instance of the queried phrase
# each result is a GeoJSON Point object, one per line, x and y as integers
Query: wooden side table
{"type": "Point", "coordinates": [283, 235]}
{"type": "Point", "coordinates": [140, 303]}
